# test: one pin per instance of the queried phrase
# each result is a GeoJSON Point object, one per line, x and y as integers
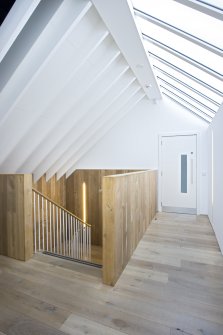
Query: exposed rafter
{"type": "Point", "coordinates": [204, 7]}
{"type": "Point", "coordinates": [126, 36]}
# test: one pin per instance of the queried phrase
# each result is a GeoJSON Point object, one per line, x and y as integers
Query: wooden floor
{"type": "Point", "coordinates": [173, 285]}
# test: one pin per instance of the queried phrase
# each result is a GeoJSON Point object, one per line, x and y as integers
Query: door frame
{"type": "Point", "coordinates": [198, 167]}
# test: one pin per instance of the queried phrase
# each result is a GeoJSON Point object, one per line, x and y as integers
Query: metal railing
{"type": "Point", "coordinates": [58, 231]}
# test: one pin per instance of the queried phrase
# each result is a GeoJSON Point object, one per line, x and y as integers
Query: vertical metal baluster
{"type": "Point", "coordinates": [68, 220]}
{"type": "Point", "coordinates": [82, 238]}
{"type": "Point", "coordinates": [80, 229]}
{"type": "Point", "coordinates": [71, 235]}
{"type": "Point", "coordinates": [34, 219]}
{"type": "Point", "coordinates": [84, 241]}
{"type": "Point", "coordinates": [47, 229]}
{"type": "Point", "coordinates": [43, 233]}
{"type": "Point", "coordinates": [66, 233]}
{"type": "Point", "coordinates": [78, 240]}
{"type": "Point", "coordinates": [74, 241]}
{"type": "Point", "coordinates": [54, 230]}
{"type": "Point", "coordinates": [38, 204]}
{"type": "Point", "coordinates": [63, 235]}
{"type": "Point", "coordinates": [50, 227]}
{"type": "Point", "coordinates": [83, 233]}
{"type": "Point", "coordinates": [87, 241]}
{"type": "Point", "coordinates": [88, 236]}
{"type": "Point", "coordinates": [69, 224]}
{"type": "Point", "coordinates": [71, 238]}
{"type": "Point", "coordinates": [77, 249]}
{"type": "Point", "coordinates": [87, 249]}
{"type": "Point", "coordinates": [61, 232]}
{"type": "Point", "coordinates": [80, 248]}
{"type": "Point", "coordinates": [90, 243]}
{"type": "Point", "coordinates": [57, 239]}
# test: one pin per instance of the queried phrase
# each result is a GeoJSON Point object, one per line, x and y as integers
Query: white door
{"type": "Point", "coordinates": [178, 174]}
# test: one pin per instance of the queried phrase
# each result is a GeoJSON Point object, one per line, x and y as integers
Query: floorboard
{"type": "Point", "coordinates": [171, 286]}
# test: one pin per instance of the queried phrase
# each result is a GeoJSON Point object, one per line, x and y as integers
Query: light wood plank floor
{"type": "Point", "coordinates": [171, 286]}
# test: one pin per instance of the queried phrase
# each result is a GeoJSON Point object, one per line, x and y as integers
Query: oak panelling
{"type": "Point", "coordinates": [69, 194]}
{"type": "Point", "coordinates": [53, 188]}
{"type": "Point", "coordinates": [129, 205]}
{"type": "Point", "coordinates": [16, 226]}
{"type": "Point", "coordinates": [74, 197]}
{"type": "Point", "coordinates": [28, 218]}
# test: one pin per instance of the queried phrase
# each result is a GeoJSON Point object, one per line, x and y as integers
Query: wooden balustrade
{"type": "Point", "coordinates": [129, 205]}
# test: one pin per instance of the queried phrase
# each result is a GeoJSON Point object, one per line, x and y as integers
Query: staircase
{"type": "Point", "coordinates": [59, 232]}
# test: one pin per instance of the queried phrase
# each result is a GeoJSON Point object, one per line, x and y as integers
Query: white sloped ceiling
{"type": "Point", "coordinates": [66, 78]}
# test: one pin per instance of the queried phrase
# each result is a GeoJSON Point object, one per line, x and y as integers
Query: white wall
{"type": "Point", "coordinates": [133, 142]}
{"type": "Point", "coordinates": [216, 175]}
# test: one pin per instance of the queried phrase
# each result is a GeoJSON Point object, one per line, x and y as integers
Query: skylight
{"type": "Point", "coordinates": [185, 46]}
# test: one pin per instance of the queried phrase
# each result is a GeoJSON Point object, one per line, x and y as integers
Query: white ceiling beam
{"type": "Point", "coordinates": [104, 130]}
{"type": "Point", "coordinates": [67, 145]}
{"type": "Point", "coordinates": [25, 156]}
{"type": "Point", "coordinates": [14, 23]}
{"type": "Point", "coordinates": [42, 48]}
{"type": "Point", "coordinates": [41, 107]}
{"type": "Point", "coordinates": [55, 127]}
{"type": "Point", "coordinates": [179, 32]}
{"type": "Point", "coordinates": [98, 123]}
{"type": "Point", "coordinates": [94, 93]}
{"type": "Point", "coordinates": [38, 103]}
{"type": "Point", "coordinates": [203, 7]}
{"type": "Point", "coordinates": [118, 16]}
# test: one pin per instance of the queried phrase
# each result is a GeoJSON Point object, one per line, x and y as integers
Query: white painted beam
{"type": "Point", "coordinates": [38, 103]}
{"type": "Point", "coordinates": [99, 122]}
{"type": "Point", "coordinates": [26, 155]}
{"type": "Point", "coordinates": [119, 18]}
{"type": "Point", "coordinates": [14, 23]}
{"type": "Point", "coordinates": [70, 62]}
{"type": "Point", "coordinates": [204, 7]}
{"type": "Point", "coordinates": [42, 45]}
{"type": "Point", "coordinates": [109, 125]}
{"type": "Point", "coordinates": [65, 148]}
{"type": "Point", "coordinates": [94, 93]}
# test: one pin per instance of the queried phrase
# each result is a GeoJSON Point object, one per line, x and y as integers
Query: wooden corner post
{"type": "Point", "coordinates": [16, 225]}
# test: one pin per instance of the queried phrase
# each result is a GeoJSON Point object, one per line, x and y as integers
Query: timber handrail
{"type": "Point", "coordinates": [61, 207]}
{"type": "Point", "coordinates": [58, 231]}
